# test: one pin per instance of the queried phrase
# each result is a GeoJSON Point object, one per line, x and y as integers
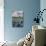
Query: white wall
{"type": "Point", "coordinates": [1, 21]}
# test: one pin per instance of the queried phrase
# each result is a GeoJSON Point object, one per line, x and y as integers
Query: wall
{"type": "Point", "coordinates": [29, 7]}
{"type": "Point", "coordinates": [1, 21]}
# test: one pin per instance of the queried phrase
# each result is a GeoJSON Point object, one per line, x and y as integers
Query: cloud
{"type": "Point", "coordinates": [17, 14]}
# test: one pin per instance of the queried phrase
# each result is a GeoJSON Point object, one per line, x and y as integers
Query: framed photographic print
{"type": "Point", "coordinates": [17, 19]}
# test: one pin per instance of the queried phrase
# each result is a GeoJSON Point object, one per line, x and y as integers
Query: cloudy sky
{"type": "Point", "coordinates": [17, 13]}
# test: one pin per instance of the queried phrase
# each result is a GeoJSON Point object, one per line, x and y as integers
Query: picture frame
{"type": "Point", "coordinates": [17, 19]}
